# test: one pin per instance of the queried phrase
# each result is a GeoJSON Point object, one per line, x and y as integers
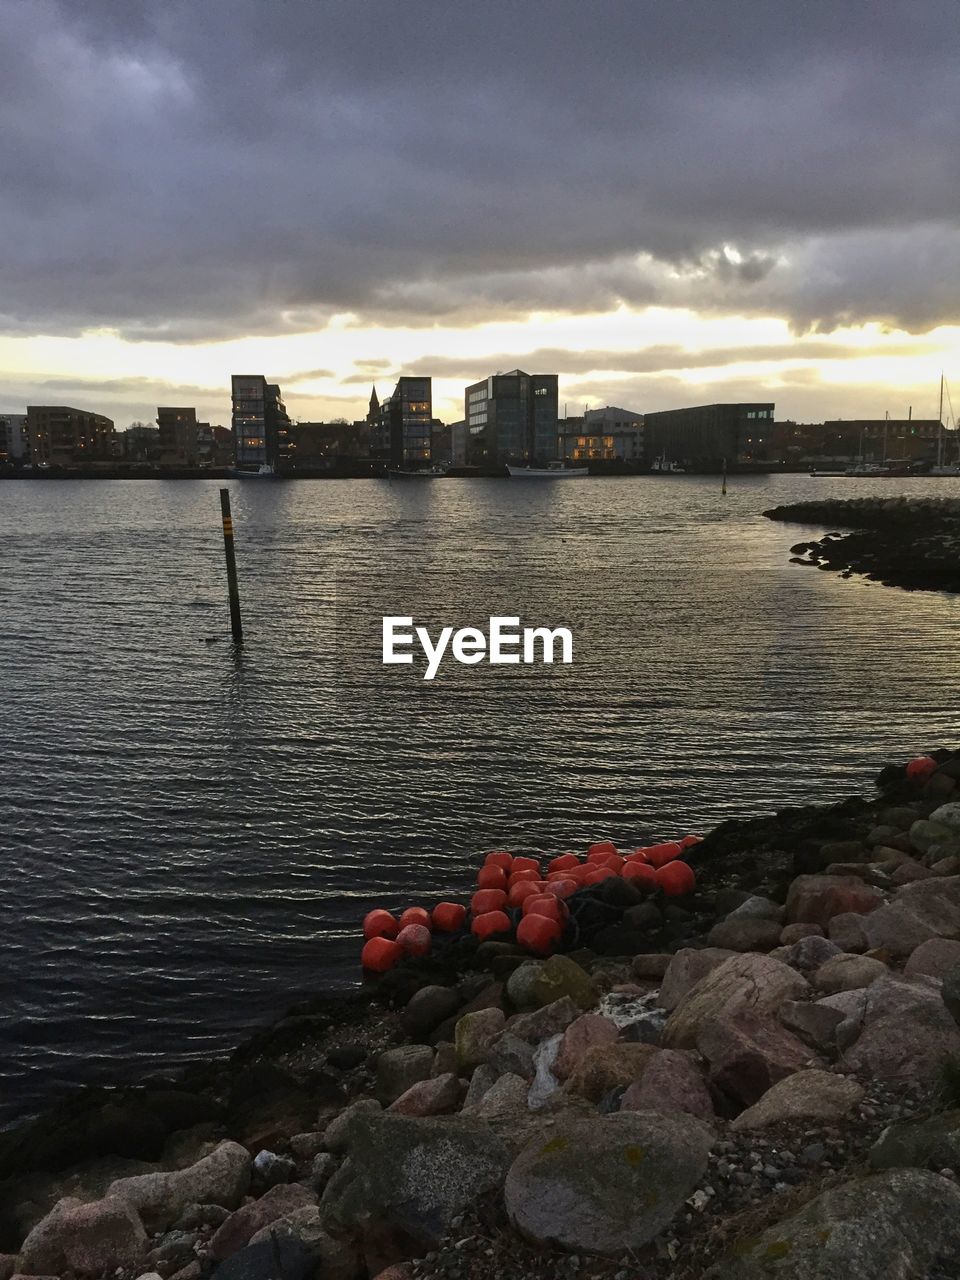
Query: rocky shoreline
{"type": "Point", "coordinates": [760, 1078]}
{"type": "Point", "coordinates": [903, 542]}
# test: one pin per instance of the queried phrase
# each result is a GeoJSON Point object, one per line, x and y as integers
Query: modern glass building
{"type": "Point", "coordinates": [261, 427]}
{"type": "Point", "coordinates": [406, 423]}
{"type": "Point", "coordinates": [512, 418]}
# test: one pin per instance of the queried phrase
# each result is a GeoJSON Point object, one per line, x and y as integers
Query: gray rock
{"type": "Point", "coordinates": [427, 1008]}
{"type": "Point", "coordinates": [950, 993]}
{"type": "Point", "coordinates": [522, 985]}
{"type": "Point", "coordinates": [919, 911]}
{"type": "Point", "coordinates": [816, 899]}
{"type": "Point", "coordinates": [474, 1035]}
{"type": "Point", "coordinates": [268, 1259]}
{"type": "Point", "coordinates": [589, 1030]}
{"type": "Point", "coordinates": [848, 973]}
{"type": "Point", "coordinates": [745, 933]}
{"type": "Point", "coordinates": [846, 930]}
{"type": "Point", "coordinates": [672, 1082]}
{"type": "Point", "coordinates": [925, 833]}
{"type": "Point", "coordinates": [484, 1078]}
{"type": "Point", "coordinates": [887, 1226]}
{"type": "Point", "coordinates": [685, 970]}
{"type": "Point", "coordinates": [751, 982]}
{"type": "Point", "coordinates": [560, 976]}
{"type": "Point", "coordinates": [813, 1022]}
{"type": "Point", "coordinates": [810, 953]}
{"type": "Point", "coordinates": [606, 1185]}
{"type": "Point", "coordinates": [335, 1136]}
{"type": "Point", "coordinates": [757, 908]}
{"type": "Point", "coordinates": [747, 1053]}
{"type": "Point", "coordinates": [929, 1143]}
{"type": "Point", "coordinates": [219, 1178]}
{"type": "Point", "coordinates": [398, 1069]}
{"type": "Point", "coordinates": [806, 1095]}
{"type": "Point", "coordinates": [411, 1177]}
{"type": "Point", "coordinates": [248, 1220]}
{"type": "Point", "coordinates": [935, 958]}
{"type": "Point", "coordinates": [89, 1238]}
{"type": "Point", "coordinates": [437, 1096]}
{"type": "Point", "coordinates": [905, 1033]}
{"type": "Point", "coordinates": [270, 1169]}
{"type": "Point", "coordinates": [333, 1258]}
{"type": "Point", "coordinates": [322, 1169]}
{"type": "Point", "coordinates": [511, 1053]}
{"type": "Point", "coordinates": [541, 1024]}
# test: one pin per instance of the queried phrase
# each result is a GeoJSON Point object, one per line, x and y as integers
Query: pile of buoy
{"type": "Point", "coordinates": [517, 899]}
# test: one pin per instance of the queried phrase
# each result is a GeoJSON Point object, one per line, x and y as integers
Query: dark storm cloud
{"type": "Point", "coordinates": [191, 171]}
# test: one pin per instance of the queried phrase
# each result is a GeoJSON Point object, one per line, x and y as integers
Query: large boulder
{"type": "Point", "coordinates": [219, 1178]}
{"type": "Point", "coordinates": [405, 1180]}
{"type": "Point", "coordinates": [246, 1221]}
{"type": "Point", "coordinates": [88, 1238]}
{"type": "Point", "coordinates": [589, 1030]}
{"type": "Point", "coordinates": [606, 1185]}
{"type": "Point", "coordinates": [902, 1030]}
{"type": "Point", "coordinates": [935, 958]}
{"type": "Point", "coordinates": [848, 973]}
{"type": "Point", "coordinates": [919, 911]}
{"type": "Point", "coordinates": [672, 1082]}
{"type": "Point", "coordinates": [805, 1095]}
{"type": "Point", "coordinates": [746, 933]}
{"type": "Point", "coordinates": [685, 970]}
{"type": "Point", "coordinates": [757, 983]}
{"type": "Point", "coordinates": [948, 815]}
{"type": "Point", "coordinates": [816, 899]}
{"type": "Point", "coordinates": [747, 1053]}
{"type": "Point", "coordinates": [887, 1226]}
{"type": "Point", "coordinates": [929, 1143]}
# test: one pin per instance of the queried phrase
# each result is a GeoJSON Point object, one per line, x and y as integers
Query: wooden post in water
{"type": "Point", "coordinates": [236, 626]}
{"type": "Point", "coordinates": [723, 485]}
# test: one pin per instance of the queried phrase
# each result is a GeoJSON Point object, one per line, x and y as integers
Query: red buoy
{"type": "Point", "coordinates": [380, 954]}
{"type": "Point", "coordinates": [564, 862]}
{"type": "Point", "coordinates": [491, 877]}
{"type": "Point", "coordinates": [448, 917]}
{"type": "Point", "coordinates": [562, 887]}
{"type": "Point", "coordinates": [921, 767]}
{"type": "Point", "coordinates": [597, 872]}
{"type": "Point", "coordinates": [488, 900]}
{"type": "Point", "coordinates": [415, 940]}
{"type": "Point", "coordinates": [676, 878]}
{"type": "Point", "coordinates": [380, 924]}
{"type": "Point", "coordinates": [490, 923]}
{"type": "Point", "coordinates": [538, 934]}
{"type": "Point", "coordinates": [415, 915]}
{"type": "Point", "coordinates": [526, 864]}
{"type": "Point", "coordinates": [545, 904]}
{"type": "Point", "coordinates": [522, 889]}
{"type": "Point", "coordinates": [689, 841]}
{"type": "Point", "coordinates": [527, 874]}
{"type": "Point", "coordinates": [658, 854]}
{"type": "Point", "coordinates": [641, 873]}
{"type": "Point", "coordinates": [503, 860]}
{"type": "Point", "coordinates": [601, 847]}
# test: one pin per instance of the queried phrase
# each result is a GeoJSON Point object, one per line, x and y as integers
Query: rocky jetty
{"type": "Point", "coordinates": [904, 542]}
{"type": "Point", "coordinates": [759, 1079]}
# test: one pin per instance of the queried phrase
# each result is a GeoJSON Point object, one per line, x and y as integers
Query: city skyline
{"type": "Point", "coordinates": [666, 209]}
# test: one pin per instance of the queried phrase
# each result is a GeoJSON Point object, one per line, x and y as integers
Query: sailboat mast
{"type": "Point", "coordinates": [940, 425]}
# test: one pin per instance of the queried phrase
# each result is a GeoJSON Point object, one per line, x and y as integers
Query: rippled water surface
{"type": "Point", "coordinates": [191, 835]}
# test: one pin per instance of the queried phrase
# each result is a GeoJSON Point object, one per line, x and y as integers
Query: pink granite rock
{"type": "Point", "coordinates": [589, 1030]}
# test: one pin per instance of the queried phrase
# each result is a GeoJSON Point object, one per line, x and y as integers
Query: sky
{"type": "Point", "coordinates": [665, 203]}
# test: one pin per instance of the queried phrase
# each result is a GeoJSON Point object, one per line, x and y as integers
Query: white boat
{"type": "Point", "coordinates": [266, 472]}
{"type": "Point", "coordinates": [555, 471]}
{"type": "Point", "coordinates": [665, 466]}
{"type": "Point", "coordinates": [424, 473]}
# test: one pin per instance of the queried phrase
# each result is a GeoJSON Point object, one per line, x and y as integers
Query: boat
{"type": "Point", "coordinates": [942, 467]}
{"type": "Point", "coordinates": [555, 471]}
{"type": "Point", "coordinates": [265, 472]}
{"type": "Point", "coordinates": [665, 466]}
{"type": "Point", "coordinates": [412, 473]}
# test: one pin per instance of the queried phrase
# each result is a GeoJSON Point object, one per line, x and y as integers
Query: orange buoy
{"type": "Point", "coordinates": [528, 874]}
{"type": "Point", "coordinates": [921, 767]}
{"type": "Point", "coordinates": [538, 934]}
{"type": "Point", "coordinates": [380, 924]}
{"type": "Point", "coordinates": [545, 904]}
{"type": "Point", "coordinates": [488, 900]}
{"type": "Point", "coordinates": [689, 841]}
{"type": "Point", "coordinates": [601, 846]}
{"type": "Point", "coordinates": [658, 854]}
{"type": "Point", "coordinates": [415, 915]}
{"type": "Point", "coordinates": [380, 954]}
{"type": "Point", "coordinates": [490, 923]}
{"type": "Point", "coordinates": [491, 877]}
{"type": "Point", "coordinates": [522, 889]}
{"type": "Point", "coordinates": [526, 864]}
{"type": "Point", "coordinates": [562, 888]}
{"type": "Point", "coordinates": [612, 860]}
{"type": "Point", "coordinates": [641, 873]}
{"type": "Point", "coordinates": [596, 872]}
{"type": "Point", "coordinates": [499, 859]}
{"type": "Point", "coordinates": [676, 878]}
{"type": "Point", "coordinates": [415, 939]}
{"type": "Point", "coordinates": [564, 862]}
{"type": "Point", "coordinates": [448, 917]}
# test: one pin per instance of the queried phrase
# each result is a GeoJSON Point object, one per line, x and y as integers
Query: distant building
{"type": "Point", "coordinates": [512, 418]}
{"type": "Point", "coordinates": [458, 444]}
{"type": "Point", "coordinates": [179, 444]}
{"type": "Point", "coordinates": [140, 443]}
{"type": "Point", "coordinates": [324, 444]}
{"type": "Point", "coordinates": [60, 436]}
{"type": "Point", "coordinates": [14, 438]}
{"type": "Point", "coordinates": [706, 436]}
{"type": "Point", "coordinates": [608, 435]}
{"type": "Point", "coordinates": [261, 427]}
{"type": "Point", "coordinates": [846, 440]}
{"type": "Point", "coordinates": [405, 423]}
{"type": "Point", "coordinates": [214, 445]}
{"type": "Point", "coordinates": [373, 412]}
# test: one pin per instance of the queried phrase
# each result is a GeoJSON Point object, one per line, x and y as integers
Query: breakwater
{"type": "Point", "coordinates": [763, 1069]}
{"type": "Point", "coordinates": [905, 542]}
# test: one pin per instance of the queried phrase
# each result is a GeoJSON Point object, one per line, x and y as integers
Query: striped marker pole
{"type": "Point", "coordinates": [236, 626]}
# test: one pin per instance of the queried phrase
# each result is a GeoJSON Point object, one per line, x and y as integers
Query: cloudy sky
{"type": "Point", "coordinates": [665, 202]}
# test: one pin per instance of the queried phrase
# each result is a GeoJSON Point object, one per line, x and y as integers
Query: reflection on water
{"type": "Point", "coordinates": [190, 832]}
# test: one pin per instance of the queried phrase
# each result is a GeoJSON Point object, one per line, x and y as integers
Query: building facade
{"type": "Point", "coordinates": [179, 440]}
{"type": "Point", "coordinates": [602, 435]}
{"type": "Point", "coordinates": [261, 427]}
{"type": "Point", "coordinates": [707, 437]}
{"type": "Point", "coordinates": [14, 439]}
{"type": "Point", "coordinates": [512, 418]}
{"type": "Point", "coordinates": [406, 423]}
{"type": "Point", "coordinates": [60, 436]}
